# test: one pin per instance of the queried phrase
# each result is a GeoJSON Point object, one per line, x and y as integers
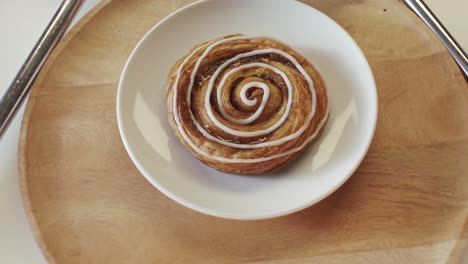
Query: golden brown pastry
{"type": "Point", "coordinates": [244, 104]}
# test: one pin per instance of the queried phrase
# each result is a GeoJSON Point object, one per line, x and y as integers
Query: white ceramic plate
{"type": "Point", "coordinates": [324, 167]}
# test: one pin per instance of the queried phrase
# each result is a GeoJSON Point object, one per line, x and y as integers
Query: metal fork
{"type": "Point", "coordinates": [19, 88]}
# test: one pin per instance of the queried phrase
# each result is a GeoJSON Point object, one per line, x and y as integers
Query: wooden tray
{"type": "Point", "coordinates": [407, 203]}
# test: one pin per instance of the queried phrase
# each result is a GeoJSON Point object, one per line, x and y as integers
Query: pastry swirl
{"type": "Point", "coordinates": [244, 104]}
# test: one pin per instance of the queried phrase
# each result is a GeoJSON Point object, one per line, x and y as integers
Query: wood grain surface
{"type": "Point", "coordinates": [407, 202]}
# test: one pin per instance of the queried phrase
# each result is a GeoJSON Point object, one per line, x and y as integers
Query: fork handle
{"type": "Point", "coordinates": [426, 15]}
{"type": "Point", "coordinates": [21, 85]}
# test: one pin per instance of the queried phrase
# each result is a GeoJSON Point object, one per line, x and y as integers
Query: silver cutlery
{"type": "Point", "coordinates": [425, 14]}
{"type": "Point", "coordinates": [19, 88]}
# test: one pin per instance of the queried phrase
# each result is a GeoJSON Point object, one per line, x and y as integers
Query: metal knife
{"type": "Point", "coordinates": [422, 11]}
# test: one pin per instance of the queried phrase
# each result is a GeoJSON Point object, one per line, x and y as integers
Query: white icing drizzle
{"type": "Point", "coordinates": [221, 108]}
{"type": "Point", "coordinates": [252, 102]}
{"type": "Point", "coordinates": [247, 101]}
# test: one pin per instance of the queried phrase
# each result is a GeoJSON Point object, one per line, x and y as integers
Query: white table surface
{"type": "Point", "coordinates": [21, 24]}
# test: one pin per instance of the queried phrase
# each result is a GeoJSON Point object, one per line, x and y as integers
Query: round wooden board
{"type": "Point", "coordinates": [407, 203]}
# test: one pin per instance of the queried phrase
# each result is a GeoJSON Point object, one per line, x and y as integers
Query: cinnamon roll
{"type": "Point", "coordinates": [245, 105]}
